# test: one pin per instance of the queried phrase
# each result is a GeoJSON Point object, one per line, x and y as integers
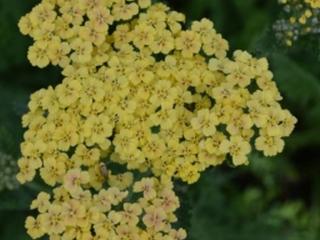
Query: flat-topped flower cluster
{"type": "Point", "coordinates": [143, 91]}
{"type": "Point", "coordinates": [8, 170]}
{"type": "Point", "coordinates": [300, 18]}
{"type": "Point", "coordinates": [74, 212]}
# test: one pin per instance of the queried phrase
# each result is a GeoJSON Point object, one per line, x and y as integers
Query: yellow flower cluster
{"type": "Point", "coordinates": [73, 212]}
{"type": "Point", "coordinates": [140, 90]}
{"type": "Point", "coordinates": [156, 96]}
{"type": "Point", "coordinates": [81, 32]}
{"type": "Point", "coordinates": [313, 3]}
{"type": "Point", "coordinates": [301, 17]}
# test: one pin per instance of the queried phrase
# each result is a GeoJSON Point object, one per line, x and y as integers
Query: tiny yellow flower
{"type": "Point", "coordinates": [53, 221]}
{"type": "Point", "coordinates": [81, 51]}
{"type": "Point", "coordinates": [34, 227]}
{"type": "Point", "coordinates": [154, 218]}
{"type": "Point", "coordinates": [73, 180]}
{"type": "Point", "coordinates": [146, 186]}
{"type": "Point", "coordinates": [42, 202]}
{"type": "Point", "coordinates": [238, 149]}
{"type": "Point", "coordinates": [270, 145]}
{"type": "Point", "coordinates": [37, 54]}
{"type": "Point", "coordinates": [205, 122]}
{"type": "Point", "coordinates": [189, 43]}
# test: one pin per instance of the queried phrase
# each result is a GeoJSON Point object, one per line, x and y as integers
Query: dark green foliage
{"type": "Point", "coordinates": [273, 198]}
{"type": "Point", "coordinates": [12, 44]}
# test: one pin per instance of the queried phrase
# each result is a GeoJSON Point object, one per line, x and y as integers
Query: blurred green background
{"type": "Point", "coordinates": [273, 198]}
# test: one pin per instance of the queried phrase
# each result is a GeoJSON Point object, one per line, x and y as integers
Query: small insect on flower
{"type": "Point", "coordinates": [103, 170]}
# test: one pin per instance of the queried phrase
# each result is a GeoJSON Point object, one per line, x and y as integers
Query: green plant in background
{"type": "Point", "coordinates": [275, 198]}
{"type": "Point", "coordinates": [301, 19]}
{"type": "Point", "coordinates": [8, 170]}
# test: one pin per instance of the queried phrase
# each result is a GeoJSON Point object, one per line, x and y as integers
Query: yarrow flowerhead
{"type": "Point", "coordinates": [131, 213]}
{"type": "Point", "coordinates": [151, 93]}
{"type": "Point", "coordinates": [8, 170]}
{"type": "Point", "coordinates": [139, 90]}
{"type": "Point", "coordinates": [300, 18]}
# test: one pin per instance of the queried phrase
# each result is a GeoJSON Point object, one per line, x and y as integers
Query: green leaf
{"type": "Point", "coordinates": [19, 199]}
{"type": "Point", "coordinates": [298, 86]}
{"type": "Point", "coordinates": [13, 45]}
{"type": "Point", "coordinates": [12, 225]}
